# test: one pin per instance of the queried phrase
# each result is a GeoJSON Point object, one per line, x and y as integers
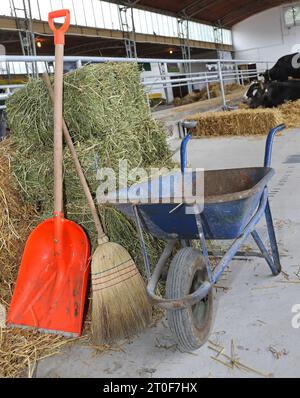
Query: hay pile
{"type": "Point", "coordinates": [291, 113]}
{"type": "Point", "coordinates": [106, 111]}
{"type": "Point", "coordinates": [201, 95]}
{"type": "Point", "coordinates": [238, 122]}
{"type": "Point", "coordinates": [195, 96]}
{"type": "Point", "coordinates": [108, 118]}
{"type": "Point", "coordinates": [19, 349]}
{"type": "Point", "coordinates": [15, 220]}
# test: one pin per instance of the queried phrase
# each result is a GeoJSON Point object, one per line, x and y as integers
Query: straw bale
{"type": "Point", "coordinates": [237, 122]}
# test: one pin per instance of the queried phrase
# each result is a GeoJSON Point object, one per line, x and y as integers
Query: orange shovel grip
{"type": "Point", "coordinates": [59, 34]}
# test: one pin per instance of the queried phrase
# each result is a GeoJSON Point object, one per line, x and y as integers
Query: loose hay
{"type": "Point", "coordinates": [202, 95]}
{"type": "Point", "coordinates": [238, 122]}
{"type": "Point", "coordinates": [106, 111]}
{"type": "Point", "coordinates": [15, 220]}
{"type": "Point", "coordinates": [109, 120]}
{"type": "Point", "coordinates": [19, 349]}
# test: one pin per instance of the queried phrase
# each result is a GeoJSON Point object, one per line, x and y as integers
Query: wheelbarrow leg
{"type": "Point", "coordinates": [273, 240]}
{"type": "Point", "coordinates": [264, 252]}
{"type": "Point", "coordinates": [274, 260]}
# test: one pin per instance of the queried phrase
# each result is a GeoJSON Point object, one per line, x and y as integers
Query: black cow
{"type": "Point", "coordinates": [272, 94]}
{"type": "Point", "coordinates": [285, 67]}
{"type": "Point", "coordinates": [252, 91]}
{"type": "Point", "coordinates": [254, 95]}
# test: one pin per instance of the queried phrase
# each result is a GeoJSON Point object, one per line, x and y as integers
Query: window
{"type": "Point", "coordinates": [104, 14]}
{"type": "Point", "coordinates": [292, 16]}
{"type": "Point", "coordinates": [146, 67]}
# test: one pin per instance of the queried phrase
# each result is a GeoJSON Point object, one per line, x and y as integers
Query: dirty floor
{"type": "Point", "coordinates": [253, 322]}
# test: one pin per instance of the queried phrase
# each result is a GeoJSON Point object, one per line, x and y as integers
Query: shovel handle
{"type": "Point", "coordinates": [102, 238]}
{"type": "Point", "coordinates": [59, 33]}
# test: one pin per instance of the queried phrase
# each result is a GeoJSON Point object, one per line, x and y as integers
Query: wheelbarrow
{"type": "Point", "coordinates": [234, 202]}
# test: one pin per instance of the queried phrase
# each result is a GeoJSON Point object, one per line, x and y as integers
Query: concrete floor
{"type": "Point", "coordinates": [255, 312]}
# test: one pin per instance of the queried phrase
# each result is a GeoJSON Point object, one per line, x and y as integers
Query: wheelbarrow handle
{"type": "Point", "coordinates": [269, 144]}
{"type": "Point", "coordinates": [183, 154]}
{"type": "Point", "coordinates": [268, 151]}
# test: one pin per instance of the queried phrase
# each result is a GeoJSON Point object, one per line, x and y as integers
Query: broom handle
{"type": "Point", "coordinates": [101, 235]}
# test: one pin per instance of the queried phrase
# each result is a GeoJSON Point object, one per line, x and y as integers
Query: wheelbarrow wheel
{"type": "Point", "coordinates": [191, 326]}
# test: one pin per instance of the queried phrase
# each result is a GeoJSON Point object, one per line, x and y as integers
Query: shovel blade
{"type": "Point", "coordinates": [51, 286]}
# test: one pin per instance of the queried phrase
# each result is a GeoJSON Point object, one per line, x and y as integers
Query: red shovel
{"type": "Point", "coordinates": [51, 286]}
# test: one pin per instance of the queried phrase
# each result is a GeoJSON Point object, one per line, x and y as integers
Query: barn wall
{"type": "Point", "coordinates": [264, 37]}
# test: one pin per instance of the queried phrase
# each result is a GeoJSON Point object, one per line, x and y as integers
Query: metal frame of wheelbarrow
{"type": "Point", "coordinates": [214, 276]}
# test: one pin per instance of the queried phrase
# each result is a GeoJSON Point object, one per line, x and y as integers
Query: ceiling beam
{"type": "Point", "coordinates": [159, 11]}
{"type": "Point", "coordinates": [194, 8]}
{"type": "Point", "coordinates": [191, 11]}
{"type": "Point", "coordinates": [185, 12]}
{"type": "Point", "coordinates": [245, 11]}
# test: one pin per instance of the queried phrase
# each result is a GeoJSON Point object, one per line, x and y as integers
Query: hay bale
{"type": "Point", "coordinates": [15, 220]}
{"type": "Point", "coordinates": [291, 113]}
{"type": "Point", "coordinates": [106, 111]}
{"type": "Point", "coordinates": [238, 122]}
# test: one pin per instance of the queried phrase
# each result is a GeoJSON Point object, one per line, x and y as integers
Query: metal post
{"type": "Point", "coordinates": [128, 31]}
{"type": "Point", "coordinates": [222, 83]}
{"type": "Point", "coordinates": [163, 69]}
{"type": "Point", "coordinates": [242, 77]}
{"type": "Point", "coordinates": [207, 86]}
{"type": "Point", "coordinates": [26, 35]}
{"type": "Point", "coordinates": [183, 33]}
{"type": "Point", "coordinates": [237, 74]}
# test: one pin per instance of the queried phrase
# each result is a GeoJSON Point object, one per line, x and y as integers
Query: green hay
{"type": "Point", "coordinates": [106, 111]}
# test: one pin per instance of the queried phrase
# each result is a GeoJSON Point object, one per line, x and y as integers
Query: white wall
{"type": "Point", "coordinates": [264, 37]}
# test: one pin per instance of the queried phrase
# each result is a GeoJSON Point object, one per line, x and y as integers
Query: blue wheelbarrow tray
{"type": "Point", "coordinates": [231, 197]}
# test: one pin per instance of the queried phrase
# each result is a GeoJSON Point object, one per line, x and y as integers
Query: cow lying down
{"type": "Point", "coordinates": [272, 94]}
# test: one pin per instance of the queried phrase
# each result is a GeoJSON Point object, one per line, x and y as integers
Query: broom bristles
{"type": "Point", "coordinates": [120, 305]}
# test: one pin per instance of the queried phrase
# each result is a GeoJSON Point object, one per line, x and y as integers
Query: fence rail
{"type": "Point", "coordinates": [163, 78]}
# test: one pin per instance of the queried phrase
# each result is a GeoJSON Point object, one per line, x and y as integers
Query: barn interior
{"type": "Point", "coordinates": [160, 283]}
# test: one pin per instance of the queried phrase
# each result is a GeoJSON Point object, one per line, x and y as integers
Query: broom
{"type": "Point", "coordinates": [120, 306]}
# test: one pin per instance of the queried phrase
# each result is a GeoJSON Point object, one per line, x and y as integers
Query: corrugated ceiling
{"type": "Point", "coordinates": [224, 12]}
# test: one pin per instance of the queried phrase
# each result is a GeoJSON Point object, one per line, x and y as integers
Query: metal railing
{"type": "Point", "coordinates": [164, 77]}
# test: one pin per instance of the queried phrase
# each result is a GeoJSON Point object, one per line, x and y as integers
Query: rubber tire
{"type": "Point", "coordinates": [190, 334]}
